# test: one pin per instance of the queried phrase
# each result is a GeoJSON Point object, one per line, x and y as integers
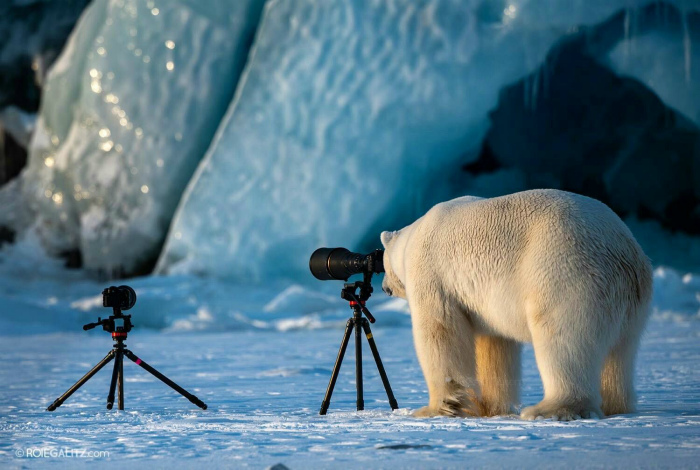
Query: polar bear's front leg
{"type": "Point", "coordinates": [445, 347]}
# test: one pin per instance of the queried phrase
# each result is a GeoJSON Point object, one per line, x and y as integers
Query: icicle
{"type": "Point", "coordinates": [546, 73]}
{"type": "Point", "coordinates": [687, 47]}
{"type": "Point", "coordinates": [627, 37]}
{"type": "Point", "coordinates": [526, 93]}
{"type": "Point", "coordinates": [535, 88]}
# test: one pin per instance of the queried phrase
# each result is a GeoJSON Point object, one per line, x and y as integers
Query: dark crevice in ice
{"type": "Point", "coordinates": [33, 35]}
{"type": "Point", "coordinates": [575, 125]}
{"type": "Point", "coordinates": [13, 156]}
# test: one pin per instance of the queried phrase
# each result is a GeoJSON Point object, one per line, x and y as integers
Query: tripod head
{"type": "Point", "coordinates": [118, 324]}
{"type": "Point", "coordinates": [357, 301]}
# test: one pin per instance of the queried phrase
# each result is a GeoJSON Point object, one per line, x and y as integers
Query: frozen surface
{"type": "Point", "coordinates": [264, 388]}
{"type": "Point", "coordinates": [350, 118]}
{"type": "Point", "coordinates": [38, 295]}
{"type": "Point", "coordinates": [128, 111]}
{"type": "Point", "coordinates": [261, 358]}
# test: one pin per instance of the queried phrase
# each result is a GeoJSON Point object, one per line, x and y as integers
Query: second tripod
{"type": "Point", "coordinates": [119, 325]}
{"type": "Point", "coordinates": [358, 323]}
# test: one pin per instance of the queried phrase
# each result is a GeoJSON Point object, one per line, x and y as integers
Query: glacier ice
{"type": "Point", "coordinates": [577, 125]}
{"type": "Point", "coordinates": [33, 33]}
{"type": "Point", "coordinates": [350, 118]}
{"type": "Point", "coordinates": [664, 54]}
{"type": "Point", "coordinates": [128, 110]}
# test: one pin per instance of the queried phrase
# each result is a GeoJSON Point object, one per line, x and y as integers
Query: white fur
{"type": "Point", "coordinates": [549, 267]}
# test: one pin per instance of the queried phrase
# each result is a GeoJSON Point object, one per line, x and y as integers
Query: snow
{"type": "Point", "coordinates": [264, 388]}
{"type": "Point", "coordinates": [128, 111]}
{"type": "Point", "coordinates": [261, 356]}
{"type": "Point", "coordinates": [348, 120]}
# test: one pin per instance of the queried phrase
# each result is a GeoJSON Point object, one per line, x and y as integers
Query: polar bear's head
{"type": "Point", "coordinates": [392, 285]}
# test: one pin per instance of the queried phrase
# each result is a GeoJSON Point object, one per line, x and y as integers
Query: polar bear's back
{"type": "Point", "coordinates": [537, 216]}
{"type": "Point", "coordinates": [530, 219]}
{"type": "Point", "coordinates": [536, 248]}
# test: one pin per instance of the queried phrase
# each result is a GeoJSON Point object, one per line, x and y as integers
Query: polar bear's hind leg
{"type": "Point", "coordinates": [570, 366]}
{"type": "Point", "coordinates": [498, 374]}
{"type": "Point", "coordinates": [617, 379]}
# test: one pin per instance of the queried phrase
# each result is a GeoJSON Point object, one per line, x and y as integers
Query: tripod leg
{"type": "Point", "coordinates": [166, 380]}
{"type": "Point", "coordinates": [380, 366]}
{"type": "Point", "coordinates": [336, 367]}
{"type": "Point", "coordinates": [59, 401]}
{"type": "Point", "coordinates": [113, 383]}
{"type": "Point", "coordinates": [358, 368]}
{"type": "Point", "coordinates": [120, 382]}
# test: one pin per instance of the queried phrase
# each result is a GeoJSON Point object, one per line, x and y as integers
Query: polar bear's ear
{"type": "Point", "coordinates": [386, 238]}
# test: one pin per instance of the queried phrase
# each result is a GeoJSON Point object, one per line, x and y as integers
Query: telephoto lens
{"type": "Point", "coordinates": [340, 263]}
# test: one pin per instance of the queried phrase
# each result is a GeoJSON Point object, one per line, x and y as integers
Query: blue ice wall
{"type": "Point", "coordinates": [127, 112]}
{"type": "Point", "coordinates": [351, 118]}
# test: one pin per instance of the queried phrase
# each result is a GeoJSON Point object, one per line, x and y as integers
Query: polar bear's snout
{"type": "Point", "coordinates": [386, 290]}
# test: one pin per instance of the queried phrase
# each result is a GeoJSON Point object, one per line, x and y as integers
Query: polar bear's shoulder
{"type": "Point", "coordinates": [443, 209]}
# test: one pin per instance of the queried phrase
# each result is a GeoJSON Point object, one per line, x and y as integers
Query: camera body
{"type": "Point", "coordinates": [119, 298]}
{"type": "Point", "coordinates": [339, 263]}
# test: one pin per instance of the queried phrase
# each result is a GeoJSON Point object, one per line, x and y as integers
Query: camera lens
{"type": "Point", "coordinates": [128, 297]}
{"type": "Point", "coordinates": [335, 264]}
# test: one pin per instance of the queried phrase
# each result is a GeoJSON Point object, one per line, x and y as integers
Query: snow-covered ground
{"type": "Point", "coordinates": [261, 358]}
{"type": "Point", "coordinates": [264, 389]}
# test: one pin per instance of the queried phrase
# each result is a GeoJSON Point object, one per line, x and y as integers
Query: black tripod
{"type": "Point", "coordinates": [119, 325]}
{"type": "Point", "coordinates": [358, 323]}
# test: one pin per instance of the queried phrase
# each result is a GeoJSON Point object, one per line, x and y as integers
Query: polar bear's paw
{"type": "Point", "coordinates": [426, 412]}
{"type": "Point", "coordinates": [452, 412]}
{"type": "Point", "coordinates": [451, 407]}
{"type": "Point", "coordinates": [561, 411]}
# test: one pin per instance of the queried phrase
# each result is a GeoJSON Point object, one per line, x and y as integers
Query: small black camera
{"type": "Point", "coordinates": [122, 297]}
{"type": "Point", "coordinates": [339, 263]}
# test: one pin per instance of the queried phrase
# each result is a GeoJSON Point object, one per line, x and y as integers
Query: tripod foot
{"type": "Point", "coordinates": [59, 401]}
{"type": "Point", "coordinates": [196, 401]}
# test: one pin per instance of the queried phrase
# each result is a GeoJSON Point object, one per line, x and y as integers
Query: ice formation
{"type": "Point", "coordinates": [33, 33]}
{"type": "Point", "coordinates": [128, 111]}
{"type": "Point", "coordinates": [350, 119]}
{"type": "Point", "coordinates": [664, 54]}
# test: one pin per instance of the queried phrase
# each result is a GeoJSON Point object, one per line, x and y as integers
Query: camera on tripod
{"type": "Point", "coordinates": [119, 325]}
{"type": "Point", "coordinates": [339, 264]}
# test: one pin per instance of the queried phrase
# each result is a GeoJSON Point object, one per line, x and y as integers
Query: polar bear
{"type": "Point", "coordinates": [556, 269]}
